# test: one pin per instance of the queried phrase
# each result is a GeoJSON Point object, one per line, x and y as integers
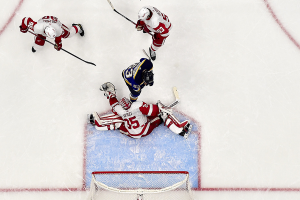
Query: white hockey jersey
{"type": "Point", "coordinates": [159, 22]}
{"type": "Point", "coordinates": [46, 21]}
{"type": "Point", "coordinates": [39, 26]}
{"type": "Point", "coordinates": [135, 121]}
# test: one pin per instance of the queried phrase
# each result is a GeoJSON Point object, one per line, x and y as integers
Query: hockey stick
{"type": "Point", "coordinates": [175, 92]}
{"type": "Point", "coordinates": [147, 54]}
{"type": "Point", "coordinates": [63, 49]}
{"type": "Point", "coordinates": [123, 15]}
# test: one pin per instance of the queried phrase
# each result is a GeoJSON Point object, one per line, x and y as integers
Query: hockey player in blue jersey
{"type": "Point", "coordinates": [137, 76]}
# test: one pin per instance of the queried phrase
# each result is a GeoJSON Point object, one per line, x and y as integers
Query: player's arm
{"type": "Point", "coordinates": [58, 43]}
{"type": "Point", "coordinates": [147, 64]}
{"type": "Point", "coordinates": [140, 25]}
{"type": "Point", "coordinates": [27, 23]}
{"type": "Point", "coordinates": [149, 109]}
{"type": "Point", "coordinates": [160, 31]}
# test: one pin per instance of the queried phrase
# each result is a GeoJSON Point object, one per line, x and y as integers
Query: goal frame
{"type": "Point", "coordinates": [141, 191]}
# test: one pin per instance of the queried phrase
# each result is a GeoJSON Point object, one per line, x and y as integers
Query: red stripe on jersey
{"type": "Point", "coordinates": [160, 27]}
{"type": "Point", "coordinates": [113, 101]}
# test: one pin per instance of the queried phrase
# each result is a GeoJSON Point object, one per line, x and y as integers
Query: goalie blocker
{"type": "Point", "coordinates": [137, 119]}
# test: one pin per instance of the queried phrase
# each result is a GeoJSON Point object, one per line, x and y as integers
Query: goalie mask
{"type": "Point", "coordinates": [148, 77]}
{"type": "Point", "coordinates": [125, 103]}
{"type": "Point", "coordinates": [50, 32]}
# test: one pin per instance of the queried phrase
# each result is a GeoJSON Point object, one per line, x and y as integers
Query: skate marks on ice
{"type": "Point", "coordinates": [162, 150]}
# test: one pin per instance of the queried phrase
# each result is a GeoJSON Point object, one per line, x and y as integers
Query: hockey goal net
{"type": "Point", "coordinates": [140, 185]}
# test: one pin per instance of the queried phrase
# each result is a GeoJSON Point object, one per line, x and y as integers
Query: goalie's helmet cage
{"type": "Point", "coordinates": [125, 103]}
{"type": "Point", "coordinates": [50, 32]}
{"type": "Point", "coordinates": [146, 185]}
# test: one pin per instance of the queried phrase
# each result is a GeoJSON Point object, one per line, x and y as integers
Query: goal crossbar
{"type": "Point", "coordinates": [140, 190]}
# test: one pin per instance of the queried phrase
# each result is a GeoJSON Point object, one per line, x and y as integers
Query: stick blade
{"type": "Point", "coordinates": [111, 4]}
{"type": "Point", "coordinates": [176, 93]}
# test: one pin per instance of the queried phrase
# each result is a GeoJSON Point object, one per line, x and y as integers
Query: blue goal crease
{"type": "Point", "coordinates": [162, 150]}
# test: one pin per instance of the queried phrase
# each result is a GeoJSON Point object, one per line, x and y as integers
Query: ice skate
{"type": "Point", "coordinates": [91, 119]}
{"type": "Point", "coordinates": [186, 130]}
{"type": "Point", "coordinates": [152, 54]}
{"type": "Point", "coordinates": [81, 32]}
{"type": "Point", "coordinates": [33, 50]}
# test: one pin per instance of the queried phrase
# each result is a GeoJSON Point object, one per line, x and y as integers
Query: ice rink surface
{"type": "Point", "coordinates": [235, 64]}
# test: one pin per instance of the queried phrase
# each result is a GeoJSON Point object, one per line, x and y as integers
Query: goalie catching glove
{"type": "Point", "coordinates": [108, 89]}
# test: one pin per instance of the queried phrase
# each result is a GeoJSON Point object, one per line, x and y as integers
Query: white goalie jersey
{"type": "Point", "coordinates": [135, 121]}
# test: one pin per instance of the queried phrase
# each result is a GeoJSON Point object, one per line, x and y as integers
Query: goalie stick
{"type": "Point", "coordinates": [175, 92]}
{"type": "Point", "coordinates": [122, 15]}
{"type": "Point", "coordinates": [164, 107]}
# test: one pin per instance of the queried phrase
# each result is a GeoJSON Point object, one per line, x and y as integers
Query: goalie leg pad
{"type": "Point", "coordinates": [108, 127]}
{"type": "Point", "coordinates": [174, 125]}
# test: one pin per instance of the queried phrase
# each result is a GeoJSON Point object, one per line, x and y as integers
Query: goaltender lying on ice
{"type": "Point", "coordinates": [137, 119]}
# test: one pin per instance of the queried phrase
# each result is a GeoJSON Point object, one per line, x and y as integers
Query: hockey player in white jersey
{"type": "Point", "coordinates": [150, 19]}
{"type": "Point", "coordinates": [137, 119]}
{"type": "Point", "coordinates": [51, 27]}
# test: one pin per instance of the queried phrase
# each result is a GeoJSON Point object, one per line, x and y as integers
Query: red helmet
{"type": "Point", "coordinates": [125, 103]}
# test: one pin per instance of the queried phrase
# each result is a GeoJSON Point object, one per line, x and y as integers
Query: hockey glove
{"type": "Point", "coordinates": [146, 30]}
{"type": "Point", "coordinates": [23, 30]}
{"type": "Point", "coordinates": [58, 46]}
{"type": "Point", "coordinates": [139, 25]}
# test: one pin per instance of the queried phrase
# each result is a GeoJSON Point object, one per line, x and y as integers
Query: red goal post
{"type": "Point", "coordinates": [140, 185]}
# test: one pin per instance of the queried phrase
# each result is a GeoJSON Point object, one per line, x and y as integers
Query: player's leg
{"type": "Point", "coordinates": [155, 121]}
{"type": "Point", "coordinates": [123, 130]}
{"type": "Point", "coordinates": [70, 32]}
{"type": "Point", "coordinates": [157, 42]}
{"type": "Point", "coordinates": [39, 42]}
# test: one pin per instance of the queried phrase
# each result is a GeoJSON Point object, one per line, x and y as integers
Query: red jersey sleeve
{"type": "Point", "coordinates": [58, 39]}
{"type": "Point", "coordinates": [161, 29]}
{"type": "Point", "coordinates": [28, 22]}
{"type": "Point", "coordinates": [113, 102]}
{"type": "Point", "coordinates": [149, 109]}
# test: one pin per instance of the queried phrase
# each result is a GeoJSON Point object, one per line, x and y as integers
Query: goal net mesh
{"type": "Point", "coordinates": [141, 185]}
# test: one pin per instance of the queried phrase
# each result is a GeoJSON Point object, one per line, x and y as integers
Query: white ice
{"type": "Point", "coordinates": [236, 70]}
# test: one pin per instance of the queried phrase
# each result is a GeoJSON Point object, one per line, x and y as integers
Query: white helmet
{"type": "Point", "coordinates": [50, 32]}
{"type": "Point", "coordinates": [144, 13]}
